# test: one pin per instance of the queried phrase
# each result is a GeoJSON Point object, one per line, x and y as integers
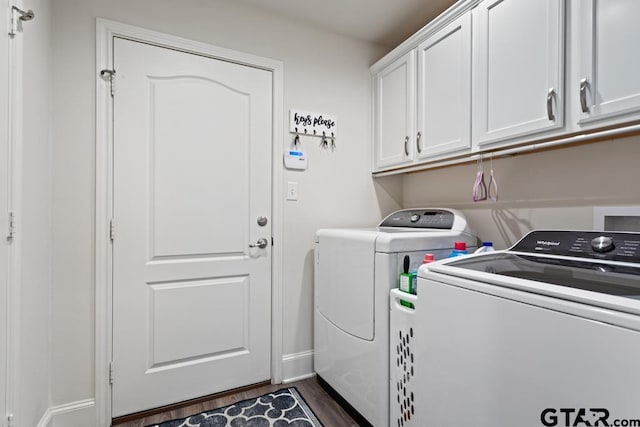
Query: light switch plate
{"type": "Point", "coordinates": [292, 190]}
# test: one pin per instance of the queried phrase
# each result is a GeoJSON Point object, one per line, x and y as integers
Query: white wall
{"type": "Point", "coordinates": [324, 72]}
{"type": "Point", "coordinates": [32, 386]}
{"type": "Point", "coordinates": [551, 189]}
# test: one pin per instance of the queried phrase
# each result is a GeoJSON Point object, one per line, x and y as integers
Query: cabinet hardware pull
{"type": "Point", "coordinates": [583, 95]}
{"type": "Point", "coordinates": [418, 143]}
{"type": "Point", "coordinates": [550, 97]}
{"type": "Point", "coordinates": [406, 145]}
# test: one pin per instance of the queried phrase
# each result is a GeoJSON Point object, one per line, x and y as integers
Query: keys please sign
{"type": "Point", "coordinates": [314, 124]}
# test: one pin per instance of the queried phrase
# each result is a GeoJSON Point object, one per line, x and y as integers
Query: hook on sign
{"type": "Point", "coordinates": [323, 141]}
{"type": "Point", "coordinates": [296, 139]}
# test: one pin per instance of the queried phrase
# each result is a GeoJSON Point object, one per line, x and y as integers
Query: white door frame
{"type": "Point", "coordinates": [105, 32]}
{"type": "Point", "coordinates": [11, 141]}
{"type": "Point", "coordinates": [4, 255]}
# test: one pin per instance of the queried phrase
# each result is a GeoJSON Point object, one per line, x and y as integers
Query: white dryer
{"type": "Point", "coordinates": [354, 271]}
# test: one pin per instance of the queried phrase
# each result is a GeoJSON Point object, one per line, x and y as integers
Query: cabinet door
{"type": "Point", "coordinates": [609, 63]}
{"type": "Point", "coordinates": [444, 90]}
{"type": "Point", "coordinates": [519, 68]}
{"type": "Point", "coordinates": [394, 119]}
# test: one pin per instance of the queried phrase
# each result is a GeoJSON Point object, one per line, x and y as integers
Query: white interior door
{"type": "Point", "coordinates": [192, 175]}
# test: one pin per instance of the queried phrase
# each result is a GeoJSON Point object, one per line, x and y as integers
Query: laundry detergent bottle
{"type": "Point", "coordinates": [459, 248]}
{"type": "Point", "coordinates": [407, 281]}
{"type": "Point", "coordinates": [486, 247]}
{"type": "Point", "coordinates": [428, 258]}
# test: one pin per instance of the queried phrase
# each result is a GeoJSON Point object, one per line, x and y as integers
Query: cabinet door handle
{"type": "Point", "coordinates": [418, 143]}
{"type": "Point", "coordinates": [406, 145]}
{"type": "Point", "coordinates": [550, 95]}
{"type": "Point", "coordinates": [583, 95]}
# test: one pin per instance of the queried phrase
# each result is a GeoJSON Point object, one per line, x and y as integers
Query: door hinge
{"type": "Point", "coordinates": [112, 230]}
{"type": "Point", "coordinates": [110, 372]}
{"type": "Point", "coordinates": [11, 231]}
{"type": "Point", "coordinates": [110, 75]}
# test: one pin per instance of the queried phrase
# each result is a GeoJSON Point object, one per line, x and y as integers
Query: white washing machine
{"type": "Point", "coordinates": [545, 333]}
{"type": "Point", "coordinates": [354, 271]}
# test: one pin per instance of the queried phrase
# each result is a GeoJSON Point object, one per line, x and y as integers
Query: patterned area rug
{"type": "Point", "coordinates": [282, 408]}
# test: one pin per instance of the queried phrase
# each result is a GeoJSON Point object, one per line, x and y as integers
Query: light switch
{"type": "Point", "coordinates": [292, 191]}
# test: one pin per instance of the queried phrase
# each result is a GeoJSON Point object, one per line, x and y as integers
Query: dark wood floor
{"type": "Point", "coordinates": [330, 413]}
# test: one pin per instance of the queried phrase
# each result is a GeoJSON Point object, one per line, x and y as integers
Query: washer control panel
{"type": "Point", "coordinates": [420, 218]}
{"type": "Point", "coordinates": [604, 245]}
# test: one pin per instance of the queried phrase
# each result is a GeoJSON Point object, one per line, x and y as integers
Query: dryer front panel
{"type": "Point", "coordinates": [345, 280]}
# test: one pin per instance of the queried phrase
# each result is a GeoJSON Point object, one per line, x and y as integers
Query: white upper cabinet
{"type": "Point", "coordinates": [394, 113]}
{"type": "Point", "coordinates": [444, 91]}
{"type": "Point", "coordinates": [491, 74]}
{"type": "Point", "coordinates": [518, 72]}
{"type": "Point", "coordinates": [609, 65]}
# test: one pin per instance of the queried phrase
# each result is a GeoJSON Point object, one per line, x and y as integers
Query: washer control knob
{"type": "Point", "coordinates": [415, 217]}
{"type": "Point", "coordinates": [602, 244]}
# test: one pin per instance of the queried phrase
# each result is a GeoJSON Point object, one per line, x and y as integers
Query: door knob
{"type": "Point", "coordinates": [261, 243]}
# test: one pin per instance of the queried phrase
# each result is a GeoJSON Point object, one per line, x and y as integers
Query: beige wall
{"type": "Point", "coordinates": [323, 72]}
{"type": "Point", "coordinates": [551, 189]}
{"type": "Point", "coordinates": [32, 386]}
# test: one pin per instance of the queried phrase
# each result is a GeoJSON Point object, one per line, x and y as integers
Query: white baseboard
{"type": "Point", "coordinates": [75, 414]}
{"type": "Point", "coordinates": [297, 366]}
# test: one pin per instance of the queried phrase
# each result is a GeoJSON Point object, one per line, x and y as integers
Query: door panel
{"type": "Point", "coordinates": [203, 170]}
{"type": "Point", "coordinates": [395, 113]}
{"type": "Point", "coordinates": [208, 305]}
{"type": "Point", "coordinates": [518, 50]}
{"type": "Point", "coordinates": [192, 173]}
{"type": "Point", "coordinates": [444, 90]}
{"type": "Point", "coordinates": [608, 30]}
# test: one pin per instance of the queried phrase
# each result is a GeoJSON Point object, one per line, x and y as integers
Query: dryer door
{"type": "Point", "coordinates": [345, 280]}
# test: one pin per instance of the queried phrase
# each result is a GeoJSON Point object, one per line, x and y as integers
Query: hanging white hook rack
{"type": "Point", "coordinates": [312, 124]}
